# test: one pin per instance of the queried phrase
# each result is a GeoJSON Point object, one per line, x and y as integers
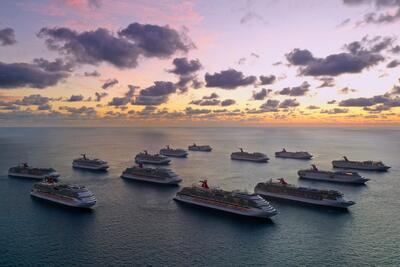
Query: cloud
{"type": "Point", "coordinates": [126, 99]}
{"type": "Point", "coordinates": [32, 100]}
{"type": "Point", "coordinates": [44, 107]}
{"type": "Point", "coordinates": [182, 66]}
{"type": "Point", "coordinates": [393, 64]}
{"type": "Point", "coordinates": [75, 98]}
{"type": "Point", "coordinates": [7, 37]}
{"type": "Point", "coordinates": [361, 55]}
{"type": "Point", "coordinates": [334, 111]}
{"type": "Point", "coordinates": [270, 79]}
{"type": "Point", "coordinates": [300, 90]}
{"type": "Point", "coordinates": [228, 102]}
{"type": "Point", "coordinates": [156, 94]}
{"type": "Point", "coordinates": [313, 107]}
{"type": "Point", "coordinates": [270, 105]}
{"type": "Point", "coordinates": [94, 73]}
{"type": "Point", "coordinates": [190, 111]}
{"type": "Point", "coordinates": [206, 102]}
{"type": "Point", "coordinates": [15, 75]}
{"type": "Point", "coordinates": [251, 16]}
{"type": "Point", "coordinates": [100, 95]}
{"type": "Point", "coordinates": [262, 94]}
{"type": "Point", "coordinates": [109, 83]}
{"type": "Point", "coordinates": [122, 51]}
{"type": "Point", "coordinates": [156, 41]}
{"type": "Point", "coordinates": [212, 96]}
{"type": "Point", "coordinates": [331, 102]}
{"type": "Point", "coordinates": [228, 79]}
{"type": "Point", "coordinates": [288, 103]}
{"type": "Point", "coordinates": [381, 102]}
{"type": "Point", "coordinates": [58, 65]}
{"type": "Point", "coordinates": [378, 18]}
{"type": "Point", "coordinates": [326, 82]}
{"type": "Point", "coordinates": [82, 111]}
{"type": "Point", "coordinates": [346, 90]}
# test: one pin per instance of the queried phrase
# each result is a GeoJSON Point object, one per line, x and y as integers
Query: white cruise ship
{"type": "Point", "coordinates": [335, 177]}
{"type": "Point", "coordinates": [293, 155]}
{"type": "Point", "coordinates": [240, 203]}
{"type": "Point", "coordinates": [155, 159]}
{"type": "Point", "coordinates": [69, 195]}
{"type": "Point", "coordinates": [246, 156]}
{"type": "Point", "coordinates": [203, 148]}
{"type": "Point", "coordinates": [173, 152]}
{"type": "Point", "coordinates": [23, 170]}
{"type": "Point", "coordinates": [153, 175]}
{"type": "Point", "coordinates": [360, 165]}
{"type": "Point", "coordinates": [280, 189]}
{"type": "Point", "coordinates": [90, 164]}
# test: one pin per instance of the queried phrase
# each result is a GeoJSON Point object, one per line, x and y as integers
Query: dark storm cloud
{"type": "Point", "coordinates": [393, 64]}
{"type": "Point", "coordinates": [288, 103]}
{"type": "Point", "coordinates": [109, 83]}
{"type": "Point", "coordinates": [296, 91]}
{"type": "Point", "coordinates": [270, 79]}
{"type": "Point", "coordinates": [75, 98]}
{"type": "Point", "coordinates": [228, 102]}
{"type": "Point", "coordinates": [7, 37]}
{"type": "Point", "coordinates": [122, 51]}
{"type": "Point", "coordinates": [94, 73]}
{"type": "Point", "coordinates": [58, 65]}
{"type": "Point", "coordinates": [183, 67]}
{"type": "Point", "coordinates": [262, 94]}
{"type": "Point", "coordinates": [14, 75]}
{"type": "Point", "coordinates": [156, 41]}
{"type": "Point", "coordinates": [228, 79]}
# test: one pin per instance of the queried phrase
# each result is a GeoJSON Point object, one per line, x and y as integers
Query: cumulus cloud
{"type": "Point", "coordinates": [7, 37]}
{"type": "Point", "coordinates": [82, 111]}
{"type": "Point", "coordinates": [300, 90]}
{"type": "Point", "coordinates": [261, 95]}
{"type": "Point", "coordinates": [334, 111]}
{"type": "Point", "coordinates": [393, 64]}
{"type": "Point", "coordinates": [359, 56]}
{"type": "Point", "coordinates": [58, 65]}
{"type": "Point", "coordinates": [331, 102]}
{"type": "Point", "coordinates": [109, 83]}
{"type": "Point", "coordinates": [100, 95]}
{"type": "Point", "coordinates": [228, 102]}
{"type": "Point", "coordinates": [122, 51]}
{"type": "Point", "coordinates": [182, 66]}
{"type": "Point", "coordinates": [270, 105]}
{"type": "Point", "coordinates": [229, 79]}
{"type": "Point", "coordinates": [156, 94]}
{"type": "Point", "coordinates": [270, 79]}
{"type": "Point", "coordinates": [212, 96]}
{"type": "Point", "coordinates": [190, 111]}
{"type": "Point", "coordinates": [346, 90]}
{"type": "Point", "coordinates": [206, 102]}
{"type": "Point", "coordinates": [15, 75]}
{"type": "Point", "coordinates": [288, 103]}
{"type": "Point", "coordinates": [33, 100]}
{"type": "Point", "coordinates": [313, 107]}
{"type": "Point", "coordinates": [94, 73]}
{"type": "Point", "coordinates": [126, 99]}
{"type": "Point", "coordinates": [326, 82]}
{"type": "Point", "coordinates": [75, 98]}
{"type": "Point", "coordinates": [381, 102]}
{"type": "Point", "coordinates": [385, 17]}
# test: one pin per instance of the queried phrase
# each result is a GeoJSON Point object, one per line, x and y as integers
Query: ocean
{"type": "Point", "coordinates": [138, 224]}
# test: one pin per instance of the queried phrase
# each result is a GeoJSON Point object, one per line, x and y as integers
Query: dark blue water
{"type": "Point", "coordinates": [139, 224]}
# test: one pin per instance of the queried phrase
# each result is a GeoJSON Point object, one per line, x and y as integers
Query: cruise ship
{"type": "Point", "coordinates": [154, 175]}
{"type": "Point", "coordinates": [293, 155]}
{"type": "Point", "coordinates": [203, 148]}
{"type": "Point", "coordinates": [23, 170]}
{"type": "Point", "coordinates": [70, 195]}
{"type": "Point", "coordinates": [171, 152]}
{"type": "Point", "coordinates": [90, 164]}
{"type": "Point", "coordinates": [328, 176]}
{"type": "Point", "coordinates": [250, 205]}
{"type": "Point", "coordinates": [155, 159]}
{"type": "Point", "coordinates": [280, 189]}
{"type": "Point", "coordinates": [360, 165]}
{"type": "Point", "coordinates": [255, 157]}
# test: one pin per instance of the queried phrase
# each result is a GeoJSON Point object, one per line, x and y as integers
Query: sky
{"type": "Point", "coordinates": [206, 63]}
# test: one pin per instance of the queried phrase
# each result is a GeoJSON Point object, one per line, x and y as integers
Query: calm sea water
{"type": "Point", "coordinates": [139, 224]}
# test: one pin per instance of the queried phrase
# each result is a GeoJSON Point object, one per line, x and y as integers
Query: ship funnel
{"type": "Point", "coordinates": [314, 167]}
{"type": "Point", "coordinates": [345, 158]}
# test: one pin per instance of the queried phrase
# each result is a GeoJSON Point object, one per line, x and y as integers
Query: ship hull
{"type": "Point", "coordinates": [174, 181]}
{"type": "Point", "coordinates": [200, 149]}
{"type": "Point", "coordinates": [292, 156]}
{"type": "Point", "coordinates": [334, 178]}
{"type": "Point", "coordinates": [92, 168]}
{"type": "Point", "coordinates": [258, 160]}
{"type": "Point", "coordinates": [253, 213]}
{"type": "Point", "coordinates": [363, 168]}
{"type": "Point", "coordinates": [181, 155]}
{"type": "Point", "coordinates": [31, 176]}
{"type": "Point", "coordinates": [324, 202]}
{"type": "Point", "coordinates": [63, 200]}
{"type": "Point", "coordinates": [164, 162]}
